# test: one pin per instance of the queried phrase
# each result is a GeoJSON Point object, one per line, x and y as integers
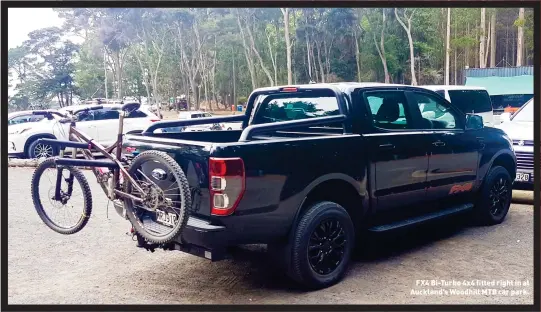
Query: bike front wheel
{"type": "Point", "coordinates": [61, 197]}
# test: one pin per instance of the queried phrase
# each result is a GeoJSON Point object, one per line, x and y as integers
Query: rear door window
{"type": "Point", "coordinates": [106, 114]}
{"type": "Point", "coordinates": [137, 114]}
{"type": "Point", "coordinates": [468, 101]}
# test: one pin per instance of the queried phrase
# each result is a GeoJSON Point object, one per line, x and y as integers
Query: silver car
{"type": "Point", "coordinates": [519, 127]}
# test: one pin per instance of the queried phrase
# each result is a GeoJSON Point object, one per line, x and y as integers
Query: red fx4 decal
{"type": "Point", "coordinates": [459, 188]}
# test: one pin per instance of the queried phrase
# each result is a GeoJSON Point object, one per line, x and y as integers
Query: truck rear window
{"type": "Point", "coordinates": [286, 107]}
{"type": "Point", "coordinates": [469, 101]}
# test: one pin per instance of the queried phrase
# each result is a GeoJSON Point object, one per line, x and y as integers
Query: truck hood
{"type": "Point", "coordinates": [32, 127]}
{"type": "Point", "coordinates": [519, 130]}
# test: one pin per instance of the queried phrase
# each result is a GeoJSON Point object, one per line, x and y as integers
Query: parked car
{"type": "Point", "coordinates": [520, 128]}
{"type": "Point", "coordinates": [469, 100]}
{"type": "Point", "coordinates": [188, 115]}
{"type": "Point", "coordinates": [99, 124]}
{"type": "Point", "coordinates": [232, 126]}
{"type": "Point", "coordinates": [20, 117]}
{"type": "Point", "coordinates": [318, 165]}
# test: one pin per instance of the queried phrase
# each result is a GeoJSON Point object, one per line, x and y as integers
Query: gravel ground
{"type": "Point", "coordinates": [101, 265]}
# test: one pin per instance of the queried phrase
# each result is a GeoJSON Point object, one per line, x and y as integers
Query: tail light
{"type": "Point", "coordinates": [154, 120]}
{"type": "Point", "coordinates": [226, 185]}
{"type": "Point", "coordinates": [289, 89]}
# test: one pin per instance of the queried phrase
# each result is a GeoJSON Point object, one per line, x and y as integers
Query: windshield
{"type": "Point", "coordinates": [525, 113]}
{"type": "Point", "coordinates": [468, 101]}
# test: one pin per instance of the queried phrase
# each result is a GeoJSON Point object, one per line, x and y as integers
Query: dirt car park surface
{"type": "Point", "coordinates": [101, 265]}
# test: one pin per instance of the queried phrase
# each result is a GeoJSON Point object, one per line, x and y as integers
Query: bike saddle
{"type": "Point", "coordinates": [130, 107]}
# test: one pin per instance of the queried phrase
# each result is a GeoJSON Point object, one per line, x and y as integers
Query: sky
{"type": "Point", "coordinates": [22, 21]}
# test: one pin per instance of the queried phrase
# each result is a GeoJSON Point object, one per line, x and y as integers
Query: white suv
{"type": "Point", "coordinates": [468, 99]}
{"type": "Point", "coordinates": [101, 125]}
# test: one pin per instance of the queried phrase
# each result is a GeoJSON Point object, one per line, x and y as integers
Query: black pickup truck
{"type": "Point", "coordinates": [316, 166]}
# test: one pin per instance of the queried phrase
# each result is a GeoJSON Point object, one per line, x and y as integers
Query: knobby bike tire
{"type": "Point", "coordinates": [183, 193]}
{"type": "Point", "coordinates": [87, 197]}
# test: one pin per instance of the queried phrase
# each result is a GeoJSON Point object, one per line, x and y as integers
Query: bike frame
{"type": "Point", "coordinates": [112, 191]}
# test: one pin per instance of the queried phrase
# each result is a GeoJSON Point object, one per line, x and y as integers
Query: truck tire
{"type": "Point", "coordinates": [322, 245]}
{"type": "Point", "coordinates": [494, 198]}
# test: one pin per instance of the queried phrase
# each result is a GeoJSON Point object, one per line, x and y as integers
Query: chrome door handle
{"type": "Point", "coordinates": [389, 145]}
{"type": "Point", "coordinates": [438, 143]}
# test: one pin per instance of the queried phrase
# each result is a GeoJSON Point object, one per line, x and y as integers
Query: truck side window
{"type": "Point", "coordinates": [435, 113]}
{"type": "Point", "coordinates": [388, 110]}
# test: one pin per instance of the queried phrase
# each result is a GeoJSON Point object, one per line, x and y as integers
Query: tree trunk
{"type": "Point", "coordinates": [467, 48]}
{"type": "Point", "coordinates": [447, 48]}
{"type": "Point", "coordinates": [487, 44]}
{"type": "Point", "coordinates": [322, 71]}
{"type": "Point", "coordinates": [252, 44]}
{"type": "Point", "coordinates": [520, 38]}
{"type": "Point", "coordinates": [142, 68]}
{"type": "Point", "coordinates": [285, 12]}
{"type": "Point", "coordinates": [357, 54]}
{"type": "Point", "coordinates": [482, 59]}
{"type": "Point", "coordinates": [273, 59]}
{"type": "Point", "coordinates": [234, 82]}
{"type": "Point", "coordinates": [247, 53]}
{"type": "Point", "coordinates": [381, 49]}
{"type": "Point", "coordinates": [308, 57]}
{"type": "Point", "coordinates": [410, 41]}
{"type": "Point", "coordinates": [493, 39]}
{"type": "Point", "coordinates": [455, 53]}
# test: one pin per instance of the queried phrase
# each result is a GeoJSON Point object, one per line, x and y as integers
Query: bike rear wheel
{"type": "Point", "coordinates": [164, 213]}
{"type": "Point", "coordinates": [72, 187]}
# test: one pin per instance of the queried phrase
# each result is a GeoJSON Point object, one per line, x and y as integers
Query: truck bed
{"type": "Point", "coordinates": [230, 136]}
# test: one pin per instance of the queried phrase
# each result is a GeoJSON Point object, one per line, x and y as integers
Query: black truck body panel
{"type": "Point", "coordinates": [390, 173]}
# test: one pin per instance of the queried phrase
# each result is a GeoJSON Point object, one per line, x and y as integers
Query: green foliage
{"type": "Point", "coordinates": [162, 53]}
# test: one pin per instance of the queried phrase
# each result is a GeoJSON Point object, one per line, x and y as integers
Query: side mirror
{"type": "Point", "coordinates": [505, 117]}
{"type": "Point", "coordinates": [474, 122]}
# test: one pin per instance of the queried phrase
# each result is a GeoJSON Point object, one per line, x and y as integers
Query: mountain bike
{"type": "Point", "coordinates": [151, 187]}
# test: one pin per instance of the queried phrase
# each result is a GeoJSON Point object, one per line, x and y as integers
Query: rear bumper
{"type": "Point", "coordinates": [203, 234]}
{"type": "Point", "coordinates": [199, 237]}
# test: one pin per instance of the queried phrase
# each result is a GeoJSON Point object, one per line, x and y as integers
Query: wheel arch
{"type": "Point", "coordinates": [505, 159]}
{"type": "Point", "coordinates": [339, 188]}
{"type": "Point", "coordinates": [35, 137]}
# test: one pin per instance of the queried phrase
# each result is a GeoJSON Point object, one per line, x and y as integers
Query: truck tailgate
{"type": "Point", "coordinates": [192, 156]}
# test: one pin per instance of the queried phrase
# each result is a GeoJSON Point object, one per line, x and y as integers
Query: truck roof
{"type": "Point", "coordinates": [343, 86]}
{"type": "Point", "coordinates": [451, 87]}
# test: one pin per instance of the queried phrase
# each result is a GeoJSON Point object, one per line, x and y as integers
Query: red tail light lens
{"type": "Point", "coordinates": [154, 120]}
{"type": "Point", "coordinates": [226, 185]}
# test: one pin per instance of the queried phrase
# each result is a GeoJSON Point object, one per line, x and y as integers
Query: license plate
{"type": "Point", "coordinates": [163, 217]}
{"type": "Point", "coordinates": [522, 177]}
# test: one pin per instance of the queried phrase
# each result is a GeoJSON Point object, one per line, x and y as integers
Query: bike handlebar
{"type": "Point", "coordinates": [47, 112]}
{"type": "Point", "coordinates": [87, 109]}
